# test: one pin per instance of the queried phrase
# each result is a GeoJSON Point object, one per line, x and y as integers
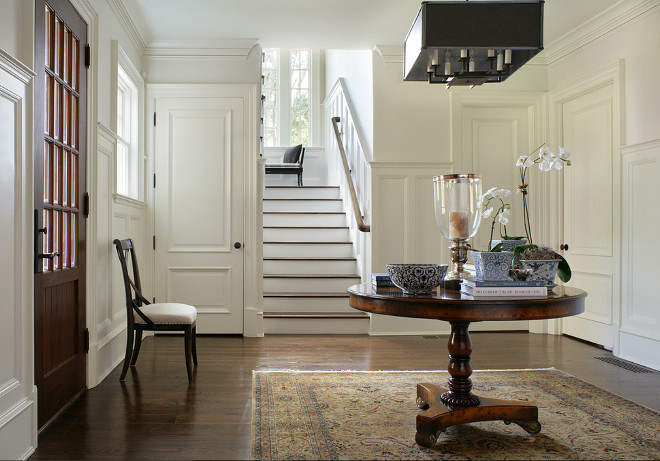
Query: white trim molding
{"type": "Point", "coordinates": [238, 49]}
{"type": "Point", "coordinates": [124, 18]}
{"type": "Point", "coordinates": [603, 24]}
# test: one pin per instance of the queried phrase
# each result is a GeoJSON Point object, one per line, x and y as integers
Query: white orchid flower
{"type": "Point", "coordinates": [544, 153]}
{"type": "Point", "coordinates": [501, 193]}
{"type": "Point", "coordinates": [557, 164]}
{"type": "Point", "coordinates": [564, 153]}
{"type": "Point", "coordinates": [503, 219]}
{"type": "Point", "coordinates": [489, 192]}
{"type": "Point", "coordinates": [486, 214]}
{"type": "Point", "coordinates": [545, 165]}
{"type": "Point", "coordinates": [525, 161]}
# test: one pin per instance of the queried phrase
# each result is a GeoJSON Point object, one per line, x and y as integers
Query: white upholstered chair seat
{"type": "Point", "coordinates": [283, 165]}
{"type": "Point", "coordinates": [163, 313]}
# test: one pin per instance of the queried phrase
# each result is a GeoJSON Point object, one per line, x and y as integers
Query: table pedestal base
{"type": "Point", "coordinates": [439, 416]}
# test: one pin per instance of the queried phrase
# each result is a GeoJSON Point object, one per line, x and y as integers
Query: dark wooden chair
{"type": "Point", "coordinates": [141, 315]}
{"type": "Point", "coordinates": [292, 163]}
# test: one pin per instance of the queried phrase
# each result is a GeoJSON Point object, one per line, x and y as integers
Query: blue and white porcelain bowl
{"type": "Point", "coordinates": [417, 279]}
{"type": "Point", "coordinates": [542, 269]}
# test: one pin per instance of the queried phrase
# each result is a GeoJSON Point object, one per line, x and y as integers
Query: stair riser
{"type": "Point", "coordinates": [306, 192]}
{"type": "Point", "coordinates": [313, 326]}
{"type": "Point", "coordinates": [302, 205]}
{"type": "Point", "coordinates": [306, 235]}
{"type": "Point", "coordinates": [300, 305]}
{"type": "Point", "coordinates": [310, 267]}
{"type": "Point", "coordinates": [308, 285]}
{"type": "Point", "coordinates": [304, 220]}
{"type": "Point", "coordinates": [320, 250]}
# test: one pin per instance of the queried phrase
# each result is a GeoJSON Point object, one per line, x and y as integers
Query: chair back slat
{"type": "Point", "coordinates": [132, 286]}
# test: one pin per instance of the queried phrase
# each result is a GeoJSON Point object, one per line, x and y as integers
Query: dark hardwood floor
{"type": "Point", "coordinates": [156, 414]}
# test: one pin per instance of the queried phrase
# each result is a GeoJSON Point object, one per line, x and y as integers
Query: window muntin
{"type": "Point", "coordinates": [287, 88]}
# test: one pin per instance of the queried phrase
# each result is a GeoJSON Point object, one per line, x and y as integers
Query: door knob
{"type": "Point", "coordinates": [563, 246]}
{"type": "Point", "coordinates": [52, 255]}
{"type": "Point", "coordinates": [237, 245]}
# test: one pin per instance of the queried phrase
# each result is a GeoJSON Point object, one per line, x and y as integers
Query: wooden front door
{"type": "Point", "coordinates": [59, 190]}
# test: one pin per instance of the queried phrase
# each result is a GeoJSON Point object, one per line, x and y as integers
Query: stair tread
{"type": "Point", "coordinates": [302, 258]}
{"type": "Point", "coordinates": [348, 315]}
{"type": "Point", "coordinates": [311, 276]}
{"type": "Point", "coordinates": [297, 294]}
{"type": "Point", "coordinates": [305, 227]}
{"type": "Point", "coordinates": [302, 187]}
{"type": "Point", "coordinates": [304, 212]}
{"type": "Point", "coordinates": [311, 243]}
{"type": "Point", "coordinates": [303, 199]}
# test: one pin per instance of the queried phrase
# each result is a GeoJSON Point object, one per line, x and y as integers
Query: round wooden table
{"type": "Point", "coordinates": [456, 404]}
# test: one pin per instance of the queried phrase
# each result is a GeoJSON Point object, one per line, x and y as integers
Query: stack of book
{"type": "Point", "coordinates": [381, 280]}
{"type": "Point", "coordinates": [503, 289]}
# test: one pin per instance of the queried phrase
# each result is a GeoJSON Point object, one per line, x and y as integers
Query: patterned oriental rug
{"type": "Point", "coordinates": [371, 415]}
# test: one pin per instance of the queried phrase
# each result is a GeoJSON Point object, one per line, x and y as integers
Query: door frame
{"type": "Point", "coordinates": [613, 75]}
{"type": "Point", "coordinates": [253, 193]}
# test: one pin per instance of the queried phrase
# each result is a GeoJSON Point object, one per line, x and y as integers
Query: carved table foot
{"type": "Point", "coordinates": [437, 416]}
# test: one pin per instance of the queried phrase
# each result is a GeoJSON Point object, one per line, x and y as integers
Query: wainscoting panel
{"type": "Point", "coordinates": [639, 333]}
{"type": "Point", "coordinates": [18, 394]}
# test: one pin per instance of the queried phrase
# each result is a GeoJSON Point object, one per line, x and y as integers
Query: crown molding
{"type": "Point", "coordinates": [124, 18]}
{"type": "Point", "coordinates": [15, 67]}
{"type": "Point", "coordinates": [604, 23]}
{"type": "Point", "coordinates": [238, 49]}
{"type": "Point", "coordinates": [390, 54]}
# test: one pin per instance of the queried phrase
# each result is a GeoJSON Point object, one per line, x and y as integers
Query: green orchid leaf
{"type": "Point", "coordinates": [563, 270]}
{"type": "Point", "coordinates": [506, 237]}
{"type": "Point", "coordinates": [497, 247]}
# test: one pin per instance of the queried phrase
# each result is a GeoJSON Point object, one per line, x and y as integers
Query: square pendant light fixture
{"type": "Point", "coordinates": [468, 43]}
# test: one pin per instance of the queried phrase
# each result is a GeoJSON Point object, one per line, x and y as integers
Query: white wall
{"type": "Point", "coordinates": [355, 66]}
{"type": "Point", "coordinates": [630, 47]}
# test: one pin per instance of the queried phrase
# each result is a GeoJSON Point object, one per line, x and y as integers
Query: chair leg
{"type": "Point", "coordinates": [300, 179]}
{"type": "Point", "coordinates": [188, 347]}
{"type": "Point", "coordinates": [129, 352]}
{"type": "Point", "coordinates": [194, 345]}
{"type": "Point", "coordinates": [136, 349]}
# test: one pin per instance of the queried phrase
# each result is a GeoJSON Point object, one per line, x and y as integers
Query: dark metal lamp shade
{"type": "Point", "coordinates": [472, 42]}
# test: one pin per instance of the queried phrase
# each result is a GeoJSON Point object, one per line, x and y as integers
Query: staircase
{"type": "Point", "coordinates": [308, 263]}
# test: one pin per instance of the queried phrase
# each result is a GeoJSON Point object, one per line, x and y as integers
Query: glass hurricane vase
{"type": "Point", "coordinates": [458, 215]}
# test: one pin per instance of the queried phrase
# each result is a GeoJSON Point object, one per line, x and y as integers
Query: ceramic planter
{"type": "Point", "coordinates": [492, 265]}
{"type": "Point", "coordinates": [508, 245]}
{"type": "Point", "coordinates": [542, 269]}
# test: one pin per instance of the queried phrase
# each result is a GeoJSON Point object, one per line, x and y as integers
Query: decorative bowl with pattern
{"type": "Point", "coordinates": [417, 279]}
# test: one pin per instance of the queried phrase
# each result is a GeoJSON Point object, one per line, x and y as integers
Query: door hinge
{"type": "Point", "coordinates": [154, 242]}
{"type": "Point", "coordinates": [154, 118]}
{"type": "Point", "coordinates": [86, 340]}
{"type": "Point", "coordinates": [85, 209]}
{"type": "Point", "coordinates": [88, 56]}
{"type": "Point", "coordinates": [154, 180]}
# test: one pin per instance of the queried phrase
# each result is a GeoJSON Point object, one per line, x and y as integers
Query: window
{"type": "Point", "coordinates": [290, 93]}
{"type": "Point", "coordinates": [127, 126]}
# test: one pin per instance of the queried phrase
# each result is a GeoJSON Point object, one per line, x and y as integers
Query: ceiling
{"type": "Point", "coordinates": [337, 24]}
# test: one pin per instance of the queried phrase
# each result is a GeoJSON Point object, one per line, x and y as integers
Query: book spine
{"type": "Point", "coordinates": [507, 291]}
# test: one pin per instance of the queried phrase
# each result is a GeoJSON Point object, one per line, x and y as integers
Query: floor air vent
{"type": "Point", "coordinates": [431, 337]}
{"type": "Point", "coordinates": [625, 365]}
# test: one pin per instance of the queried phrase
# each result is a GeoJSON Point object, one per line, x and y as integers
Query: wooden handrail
{"type": "Point", "coordinates": [356, 206]}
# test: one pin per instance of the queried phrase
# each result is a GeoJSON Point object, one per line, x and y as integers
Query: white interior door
{"type": "Point", "coordinates": [588, 131]}
{"type": "Point", "coordinates": [493, 139]}
{"type": "Point", "coordinates": [199, 165]}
